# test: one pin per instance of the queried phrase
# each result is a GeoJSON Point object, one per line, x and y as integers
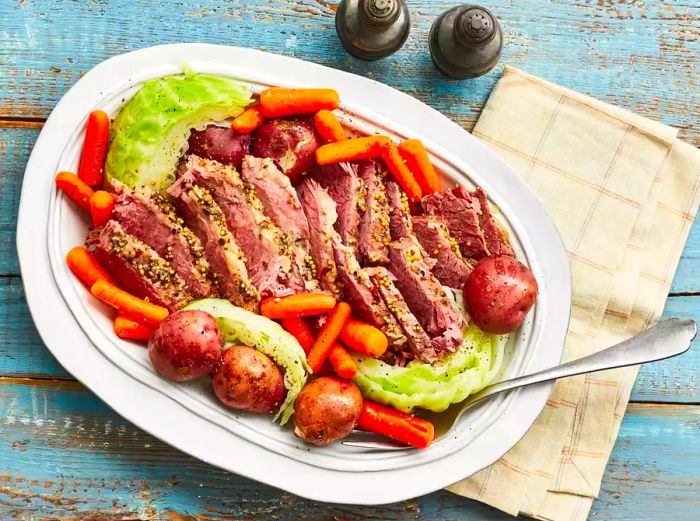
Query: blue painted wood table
{"type": "Point", "coordinates": [64, 454]}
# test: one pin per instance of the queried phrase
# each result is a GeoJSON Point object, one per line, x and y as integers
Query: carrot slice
{"type": "Point", "coordinates": [328, 127]}
{"type": "Point", "coordinates": [85, 267]}
{"type": "Point", "coordinates": [92, 158]}
{"type": "Point", "coordinates": [342, 362]}
{"type": "Point", "coordinates": [298, 305]}
{"type": "Point", "coordinates": [363, 338]}
{"type": "Point", "coordinates": [76, 190]}
{"type": "Point", "coordinates": [414, 154]}
{"type": "Point", "coordinates": [402, 174]}
{"type": "Point", "coordinates": [328, 335]}
{"type": "Point", "coordinates": [279, 102]}
{"type": "Point", "coordinates": [129, 329]}
{"type": "Point", "coordinates": [250, 119]}
{"type": "Point", "coordinates": [396, 425]}
{"type": "Point", "coordinates": [138, 309]}
{"type": "Point", "coordinates": [300, 330]}
{"type": "Point", "coordinates": [368, 147]}
{"type": "Point", "coordinates": [101, 206]}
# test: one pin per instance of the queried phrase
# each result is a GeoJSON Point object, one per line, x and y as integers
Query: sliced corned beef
{"type": "Point", "coordinates": [348, 191]}
{"type": "Point", "coordinates": [281, 203]}
{"type": "Point", "coordinates": [450, 267]}
{"type": "Point", "coordinates": [137, 267]}
{"type": "Point", "coordinates": [321, 215]}
{"type": "Point", "coordinates": [363, 295]}
{"type": "Point", "coordinates": [149, 217]}
{"type": "Point", "coordinates": [460, 212]}
{"type": "Point", "coordinates": [265, 247]}
{"type": "Point", "coordinates": [496, 241]}
{"type": "Point", "coordinates": [208, 222]}
{"type": "Point", "coordinates": [374, 226]}
{"type": "Point", "coordinates": [400, 219]}
{"type": "Point", "coordinates": [425, 297]}
{"type": "Point", "coordinates": [418, 341]}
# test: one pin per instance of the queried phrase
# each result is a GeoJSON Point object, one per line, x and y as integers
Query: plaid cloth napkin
{"type": "Point", "coordinates": [623, 192]}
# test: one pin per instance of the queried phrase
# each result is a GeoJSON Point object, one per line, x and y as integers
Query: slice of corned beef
{"type": "Point", "coordinates": [425, 297]}
{"type": "Point", "coordinates": [321, 215]}
{"type": "Point", "coordinates": [496, 240]}
{"type": "Point", "coordinates": [460, 212]}
{"type": "Point", "coordinates": [207, 221]}
{"type": "Point", "coordinates": [418, 341]}
{"type": "Point", "coordinates": [400, 219]}
{"type": "Point", "coordinates": [348, 191]}
{"type": "Point", "coordinates": [265, 247]}
{"type": "Point", "coordinates": [280, 202]}
{"type": "Point", "coordinates": [363, 295]}
{"type": "Point", "coordinates": [137, 267]}
{"type": "Point", "coordinates": [374, 226]}
{"type": "Point", "coordinates": [450, 267]}
{"type": "Point", "coordinates": [149, 217]}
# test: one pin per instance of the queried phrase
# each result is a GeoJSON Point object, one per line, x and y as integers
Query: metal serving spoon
{"type": "Point", "coordinates": [666, 339]}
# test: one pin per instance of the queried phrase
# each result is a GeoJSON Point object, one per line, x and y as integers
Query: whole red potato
{"type": "Point", "coordinates": [499, 293]}
{"type": "Point", "coordinates": [185, 346]}
{"type": "Point", "coordinates": [326, 410]}
{"type": "Point", "coordinates": [222, 144]}
{"type": "Point", "coordinates": [290, 143]}
{"type": "Point", "coordinates": [247, 379]}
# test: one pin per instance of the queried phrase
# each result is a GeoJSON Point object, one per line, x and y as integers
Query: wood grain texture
{"type": "Point", "coordinates": [638, 55]}
{"type": "Point", "coordinates": [64, 454]}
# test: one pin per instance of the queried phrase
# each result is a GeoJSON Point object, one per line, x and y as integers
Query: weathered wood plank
{"type": "Point", "coordinates": [64, 454]}
{"type": "Point", "coordinates": [22, 353]}
{"type": "Point", "coordinates": [639, 55]}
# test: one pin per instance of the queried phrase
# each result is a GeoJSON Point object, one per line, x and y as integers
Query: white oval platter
{"type": "Point", "coordinates": [78, 329]}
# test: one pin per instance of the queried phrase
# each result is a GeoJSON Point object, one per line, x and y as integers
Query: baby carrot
{"type": "Point", "coordinates": [85, 267]}
{"type": "Point", "coordinates": [92, 158]}
{"type": "Point", "coordinates": [279, 102]}
{"type": "Point", "coordinates": [401, 173]}
{"type": "Point", "coordinates": [76, 190]}
{"type": "Point", "coordinates": [130, 329]}
{"type": "Point", "coordinates": [414, 154]}
{"type": "Point", "coordinates": [328, 127]}
{"type": "Point", "coordinates": [328, 335]}
{"type": "Point", "coordinates": [298, 305]}
{"type": "Point", "coordinates": [250, 119]}
{"type": "Point", "coordinates": [363, 338]}
{"type": "Point", "coordinates": [101, 206]}
{"type": "Point", "coordinates": [368, 147]}
{"type": "Point", "coordinates": [342, 362]}
{"type": "Point", "coordinates": [396, 425]}
{"type": "Point", "coordinates": [138, 309]}
{"type": "Point", "coordinates": [300, 330]}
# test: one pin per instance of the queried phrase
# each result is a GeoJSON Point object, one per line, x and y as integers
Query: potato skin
{"type": "Point", "coordinates": [185, 346]}
{"type": "Point", "coordinates": [247, 379]}
{"type": "Point", "coordinates": [290, 143]}
{"type": "Point", "coordinates": [499, 293]}
{"type": "Point", "coordinates": [326, 410]}
{"type": "Point", "coordinates": [222, 144]}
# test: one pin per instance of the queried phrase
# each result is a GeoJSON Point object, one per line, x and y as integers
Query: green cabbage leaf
{"type": "Point", "coordinates": [241, 327]}
{"type": "Point", "coordinates": [151, 130]}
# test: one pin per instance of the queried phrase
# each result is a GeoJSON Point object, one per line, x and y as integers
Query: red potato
{"type": "Point", "coordinates": [499, 293]}
{"type": "Point", "coordinates": [247, 379]}
{"type": "Point", "coordinates": [221, 144]}
{"type": "Point", "coordinates": [291, 143]}
{"type": "Point", "coordinates": [185, 346]}
{"type": "Point", "coordinates": [327, 410]}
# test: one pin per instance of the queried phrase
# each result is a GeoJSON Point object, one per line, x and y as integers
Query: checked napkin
{"type": "Point", "coordinates": [623, 192]}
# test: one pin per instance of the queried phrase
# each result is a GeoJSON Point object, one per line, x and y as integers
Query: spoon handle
{"type": "Point", "coordinates": [668, 338]}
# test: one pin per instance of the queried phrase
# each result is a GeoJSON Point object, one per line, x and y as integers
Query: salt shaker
{"type": "Point", "coordinates": [465, 41]}
{"type": "Point", "coordinates": [372, 29]}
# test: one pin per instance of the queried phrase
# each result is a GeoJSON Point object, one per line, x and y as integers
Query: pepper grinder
{"type": "Point", "coordinates": [372, 29]}
{"type": "Point", "coordinates": [465, 42]}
